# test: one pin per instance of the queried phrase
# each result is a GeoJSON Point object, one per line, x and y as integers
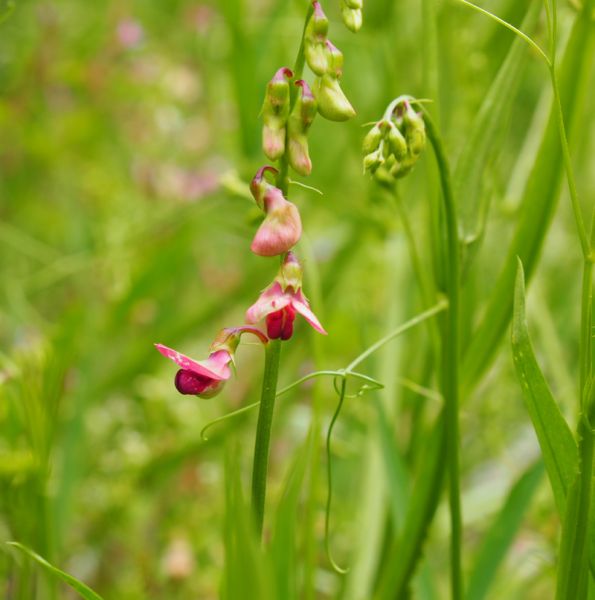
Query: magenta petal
{"type": "Point", "coordinates": [301, 306]}
{"type": "Point", "coordinates": [271, 300]}
{"type": "Point", "coordinates": [215, 369]}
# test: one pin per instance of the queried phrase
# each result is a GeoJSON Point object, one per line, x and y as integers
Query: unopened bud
{"type": "Point", "coordinates": [396, 142]}
{"type": "Point", "coordinates": [373, 160]}
{"type": "Point", "coordinates": [352, 18]}
{"type": "Point", "coordinates": [314, 40]}
{"type": "Point", "coordinates": [415, 130]}
{"type": "Point", "coordinates": [275, 111]}
{"type": "Point", "coordinates": [299, 122]}
{"type": "Point", "coordinates": [372, 139]}
{"type": "Point", "coordinates": [332, 102]}
{"type": "Point", "coordinates": [354, 3]}
{"type": "Point", "coordinates": [335, 59]}
{"type": "Point", "coordinates": [259, 185]}
{"type": "Point", "coordinates": [282, 227]}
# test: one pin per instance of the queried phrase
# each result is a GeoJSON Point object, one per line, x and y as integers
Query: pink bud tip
{"type": "Point", "coordinates": [306, 91]}
{"type": "Point", "coordinates": [283, 72]}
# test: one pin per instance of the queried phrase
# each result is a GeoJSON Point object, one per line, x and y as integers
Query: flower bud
{"type": "Point", "coordinates": [281, 228]}
{"type": "Point", "coordinates": [396, 142]}
{"type": "Point", "coordinates": [259, 185]}
{"type": "Point", "coordinates": [334, 60]}
{"type": "Point", "coordinates": [415, 130]}
{"type": "Point", "coordinates": [373, 160]}
{"type": "Point", "coordinates": [332, 102]}
{"type": "Point", "coordinates": [352, 17]}
{"type": "Point", "coordinates": [372, 139]}
{"type": "Point", "coordinates": [299, 122]}
{"type": "Point", "coordinates": [275, 111]}
{"type": "Point", "coordinates": [280, 323]}
{"type": "Point", "coordinates": [314, 40]}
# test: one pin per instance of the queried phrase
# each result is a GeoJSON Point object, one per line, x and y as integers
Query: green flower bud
{"type": "Point", "coordinates": [334, 60]}
{"type": "Point", "coordinates": [275, 111]}
{"type": "Point", "coordinates": [372, 139]}
{"type": "Point", "coordinates": [314, 40]}
{"type": "Point", "coordinates": [332, 102]}
{"type": "Point", "coordinates": [396, 142]}
{"type": "Point", "coordinates": [373, 160]}
{"type": "Point", "coordinates": [352, 18]}
{"type": "Point", "coordinates": [299, 122]}
{"type": "Point", "coordinates": [353, 4]}
{"type": "Point", "coordinates": [415, 131]}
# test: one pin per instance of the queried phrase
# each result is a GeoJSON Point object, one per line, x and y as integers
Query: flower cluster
{"type": "Point", "coordinates": [289, 109]}
{"type": "Point", "coordinates": [392, 147]}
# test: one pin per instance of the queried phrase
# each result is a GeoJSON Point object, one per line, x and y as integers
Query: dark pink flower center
{"type": "Point", "coordinates": [189, 382]}
{"type": "Point", "coordinates": [280, 323]}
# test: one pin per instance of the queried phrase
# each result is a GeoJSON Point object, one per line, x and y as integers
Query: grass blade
{"type": "Point", "coordinates": [555, 438]}
{"type": "Point", "coordinates": [84, 590]}
{"type": "Point", "coordinates": [502, 533]}
{"type": "Point", "coordinates": [539, 202]}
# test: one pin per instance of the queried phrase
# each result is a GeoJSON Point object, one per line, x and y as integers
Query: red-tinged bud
{"type": "Point", "coordinates": [335, 60]}
{"type": "Point", "coordinates": [332, 102]}
{"type": "Point", "coordinates": [352, 18]}
{"type": "Point", "coordinates": [314, 40]}
{"type": "Point", "coordinates": [275, 111]}
{"type": "Point", "coordinates": [282, 227]}
{"type": "Point", "coordinates": [280, 323]}
{"type": "Point", "coordinates": [259, 185]}
{"type": "Point", "coordinates": [299, 122]}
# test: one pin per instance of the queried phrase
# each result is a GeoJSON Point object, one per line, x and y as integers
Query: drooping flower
{"type": "Point", "coordinates": [282, 300]}
{"type": "Point", "coordinates": [206, 378]}
{"type": "Point", "coordinates": [282, 226]}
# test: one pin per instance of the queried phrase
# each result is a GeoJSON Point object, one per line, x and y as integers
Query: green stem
{"type": "Point", "coordinates": [450, 359]}
{"type": "Point", "coordinates": [263, 430]}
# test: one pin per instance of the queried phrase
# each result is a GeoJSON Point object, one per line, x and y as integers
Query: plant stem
{"type": "Point", "coordinates": [450, 359]}
{"type": "Point", "coordinates": [263, 430]}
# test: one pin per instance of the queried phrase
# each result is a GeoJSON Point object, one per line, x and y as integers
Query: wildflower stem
{"type": "Point", "coordinates": [450, 359]}
{"type": "Point", "coordinates": [263, 430]}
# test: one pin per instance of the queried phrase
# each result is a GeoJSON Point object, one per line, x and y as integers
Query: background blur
{"type": "Point", "coordinates": [128, 133]}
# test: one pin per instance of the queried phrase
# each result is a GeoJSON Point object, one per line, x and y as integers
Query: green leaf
{"type": "Point", "coordinates": [539, 202]}
{"type": "Point", "coordinates": [85, 591]}
{"type": "Point", "coordinates": [502, 533]}
{"type": "Point", "coordinates": [558, 446]}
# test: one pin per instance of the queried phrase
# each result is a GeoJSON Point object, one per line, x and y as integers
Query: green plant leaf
{"type": "Point", "coordinates": [84, 590]}
{"type": "Point", "coordinates": [558, 446]}
{"type": "Point", "coordinates": [502, 533]}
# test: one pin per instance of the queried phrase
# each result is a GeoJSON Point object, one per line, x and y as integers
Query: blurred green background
{"type": "Point", "coordinates": [129, 131]}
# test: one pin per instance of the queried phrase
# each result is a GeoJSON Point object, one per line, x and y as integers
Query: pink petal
{"type": "Point", "coordinates": [299, 302]}
{"type": "Point", "coordinates": [271, 300]}
{"type": "Point", "coordinates": [214, 367]}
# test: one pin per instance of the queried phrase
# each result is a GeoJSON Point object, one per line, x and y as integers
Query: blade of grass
{"type": "Point", "coordinates": [502, 533]}
{"type": "Point", "coordinates": [540, 199]}
{"type": "Point", "coordinates": [84, 590]}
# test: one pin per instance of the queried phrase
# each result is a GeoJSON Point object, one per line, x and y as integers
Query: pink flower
{"type": "Point", "coordinates": [280, 302]}
{"type": "Point", "coordinates": [199, 378]}
{"type": "Point", "coordinates": [282, 227]}
{"type": "Point", "coordinates": [206, 378]}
